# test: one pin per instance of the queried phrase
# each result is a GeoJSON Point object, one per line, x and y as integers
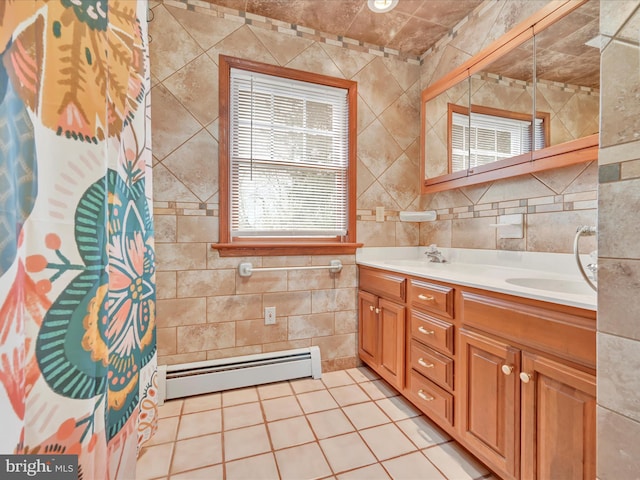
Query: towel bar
{"type": "Point", "coordinates": [245, 269]}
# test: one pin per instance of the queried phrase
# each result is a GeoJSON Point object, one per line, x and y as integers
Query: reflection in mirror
{"type": "Point", "coordinates": [502, 110]}
{"type": "Point", "coordinates": [517, 111]}
{"type": "Point", "coordinates": [568, 73]}
{"type": "Point", "coordinates": [437, 137]}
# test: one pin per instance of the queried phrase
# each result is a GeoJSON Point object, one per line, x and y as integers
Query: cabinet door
{"type": "Point", "coordinates": [558, 420]}
{"type": "Point", "coordinates": [368, 328]}
{"type": "Point", "coordinates": [490, 400]}
{"type": "Point", "coordinates": [392, 337]}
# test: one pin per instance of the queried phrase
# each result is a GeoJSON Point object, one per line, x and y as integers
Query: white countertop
{"type": "Point", "coordinates": [550, 277]}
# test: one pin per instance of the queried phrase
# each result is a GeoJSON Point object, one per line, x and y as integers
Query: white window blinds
{"type": "Point", "coordinates": [289, 157]}
{"type": "Point", "coordinates": [490, 138]}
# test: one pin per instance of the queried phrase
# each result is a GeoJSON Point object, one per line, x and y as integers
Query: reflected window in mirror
{"type": "Point", "coordinates": [491, 135]}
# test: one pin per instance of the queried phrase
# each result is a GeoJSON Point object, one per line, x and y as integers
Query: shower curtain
{"type": "Point", "coordinates": [77, 266]}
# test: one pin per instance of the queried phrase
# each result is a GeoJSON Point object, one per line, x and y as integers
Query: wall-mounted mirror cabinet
{"type": "Point", "coordinates": [528, 102]}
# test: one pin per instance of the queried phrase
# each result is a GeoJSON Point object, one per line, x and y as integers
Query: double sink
{"type": "Point", "coordinates": [550, 277]}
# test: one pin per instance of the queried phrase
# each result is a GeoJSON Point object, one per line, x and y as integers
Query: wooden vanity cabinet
{"type": "Point", "coordinates": [511, 379]}
{"type": "Point", "coordinates": [527, 381]}
{"type": "Point", "coordinates": [381, 322]}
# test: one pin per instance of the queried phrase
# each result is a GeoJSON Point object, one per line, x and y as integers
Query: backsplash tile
{"type": "Point", "coordinates": [470, 233]}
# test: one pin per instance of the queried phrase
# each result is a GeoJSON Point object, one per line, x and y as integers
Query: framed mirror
{"type": "Point", "coordinates": [513, 109]}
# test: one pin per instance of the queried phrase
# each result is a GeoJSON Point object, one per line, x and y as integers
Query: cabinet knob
{"type": "Point", "coordinates": [525, 377]}
{"type": "Point", "coordinates": [371, 307]}
{"type": "Point", "coordinates": [507, 369]}
{"type": "Point", "coordinates": [423, 330]}
{"type": "Point", "coordinates": [424, 396]}
{"type": "Point", "coordinates": [425, 364]}
{"type": "Point", "coordinates": [428, 298]}
{"type": "Point", "coordinates": [377, 310]}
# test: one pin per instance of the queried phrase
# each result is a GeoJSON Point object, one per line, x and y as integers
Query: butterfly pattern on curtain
{"type": "Point", "coordinates": [77, 264]}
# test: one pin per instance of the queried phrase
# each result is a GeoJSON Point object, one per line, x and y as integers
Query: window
{"type": "Point", "coordinates": [492, 135]}
{"type": "Point", "coordinates": [287, 161]}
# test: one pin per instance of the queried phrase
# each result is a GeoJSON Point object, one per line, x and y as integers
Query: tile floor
{"type": "Point", "coordinates": [348, 425]}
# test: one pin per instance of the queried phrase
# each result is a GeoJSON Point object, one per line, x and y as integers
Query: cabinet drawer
{"type": "Point", "coordinates": [431, 297]}
{"type": "Point", "coordinates": [540, 327]}
{"type": "Point", "coordinates": [384, 284]}
{"type": "Point", "coordinates": [430, 398]}
{"type": "Point", "coordinates": [432, 364]}
{"type": "Point", "coordinates": [432, 331]}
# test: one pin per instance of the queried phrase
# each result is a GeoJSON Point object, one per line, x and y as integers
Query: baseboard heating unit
{"type": "Point", "coordinates": [187, 379]}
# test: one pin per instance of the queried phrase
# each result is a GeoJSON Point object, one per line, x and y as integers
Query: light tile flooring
{"type": "Point", "coordinates": [349, 425]}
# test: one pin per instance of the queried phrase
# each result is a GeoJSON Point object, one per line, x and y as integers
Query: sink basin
{"type": "Point", "coordinates": [552, 284]}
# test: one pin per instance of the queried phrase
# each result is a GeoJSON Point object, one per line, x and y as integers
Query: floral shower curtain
{"type": "Point", "coordinates": [77, 266]}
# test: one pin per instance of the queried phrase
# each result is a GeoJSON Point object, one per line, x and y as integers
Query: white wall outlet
{"type": "Point", "coordinates": [269, 315]}
{"type": "Point", "coordinates": [379, 214]}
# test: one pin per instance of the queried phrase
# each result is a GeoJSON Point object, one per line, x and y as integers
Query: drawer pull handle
{"type": "Point", "coordinates": [424, 331]}
{"type": "Point", "coordinates": [428, 298]}
{"type": "Point", "coordinates": [371, 307]}
{"type": "Point", "coordinates": [424, 396]}
{"type": "Point", "coordinates": [525, 377]}
{"type": "Point", "coordinates": [507, 369]}
{"type": "Point", "coordinates": [425, 364]}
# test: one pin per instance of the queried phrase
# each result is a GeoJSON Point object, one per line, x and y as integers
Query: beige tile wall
{"type": "Point", "coordinates": [555, 202]}
{"type": "Point", "coordinates": [619, 245]}
{"type": "Point", "coordinates": [205, 310]}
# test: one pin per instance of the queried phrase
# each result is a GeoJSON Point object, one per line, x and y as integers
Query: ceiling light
{"type": "Point", "coordinates": [381, 6]}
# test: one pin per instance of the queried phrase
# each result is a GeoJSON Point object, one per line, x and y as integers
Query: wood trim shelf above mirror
{"type": "Point", "coordinates": [557, 155]}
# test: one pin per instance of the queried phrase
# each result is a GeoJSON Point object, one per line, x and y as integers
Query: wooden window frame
{"type": "Point", "coordinates": [260, 246]}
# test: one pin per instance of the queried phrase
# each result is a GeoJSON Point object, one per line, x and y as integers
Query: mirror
{"type": "Point", "coordinates": [437, 132]}
{"type": "Point", "coordinates": [526, 103]}
{"type": "Point", "coordinates": [501, 111]}
{"type": "Point", "coordinates": [568, 74]}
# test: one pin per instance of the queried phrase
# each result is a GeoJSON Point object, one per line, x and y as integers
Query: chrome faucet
{"type": "Point", "coordinates": [434, 255]}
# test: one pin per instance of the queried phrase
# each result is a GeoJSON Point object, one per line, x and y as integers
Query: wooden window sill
{"type": "Point", "coordinates": [246, 249]}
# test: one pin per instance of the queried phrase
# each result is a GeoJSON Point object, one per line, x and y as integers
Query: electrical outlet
{"type": "Point", "coordinates": [269, 315]}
